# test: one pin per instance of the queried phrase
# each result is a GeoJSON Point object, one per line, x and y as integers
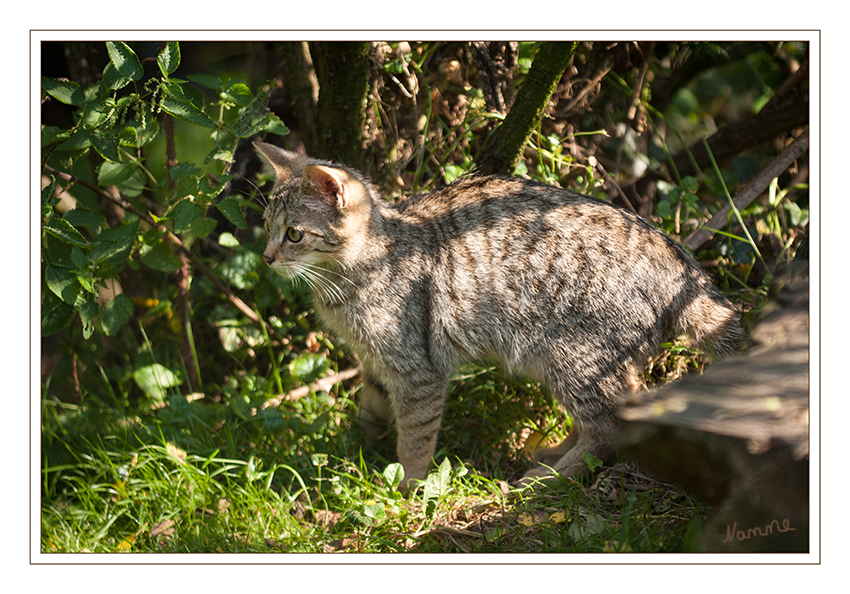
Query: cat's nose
{"type": "Point", "coordinates": [268, 258]}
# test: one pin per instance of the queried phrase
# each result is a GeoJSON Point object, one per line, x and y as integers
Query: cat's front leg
{"type": "Point", "coordinates": [418, 412]}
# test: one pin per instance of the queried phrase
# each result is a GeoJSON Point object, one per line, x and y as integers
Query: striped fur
{"type": "Point", "coordinates": [563, 288]}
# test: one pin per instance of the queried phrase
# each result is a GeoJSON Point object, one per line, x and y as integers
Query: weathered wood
{"type": "Point", "coordinates": [737, 435]}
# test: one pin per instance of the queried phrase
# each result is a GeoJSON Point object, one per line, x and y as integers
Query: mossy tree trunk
{"type": "Point", "coordinates": [299, 70]}
{"type": "Point", "coordinates": [504, 148]}
{"type": "Point", "coordinates": [343, 74]}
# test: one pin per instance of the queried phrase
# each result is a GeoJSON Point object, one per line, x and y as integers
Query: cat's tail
{"type": "Point", "coordinates": [711, 319]}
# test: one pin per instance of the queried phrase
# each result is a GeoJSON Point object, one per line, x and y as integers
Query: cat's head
{"type": "Point", "coordinates": [318, 214]}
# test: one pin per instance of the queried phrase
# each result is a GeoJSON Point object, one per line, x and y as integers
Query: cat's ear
{"type": "Point", "coordinates": [282, 163]}
{"type": "Point", "coordinates": [330, 189]}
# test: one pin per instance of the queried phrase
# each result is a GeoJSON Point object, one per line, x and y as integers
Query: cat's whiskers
{"type": "Point", "coordinates": [321, 285]}
{"type": "Point", "coordinates": [264, 202]}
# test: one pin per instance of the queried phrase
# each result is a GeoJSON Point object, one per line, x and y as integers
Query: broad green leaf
{"type": "Point", "coordinates": [65, 231]}
{"type": "Point", "coordinates": [393, 475]}
{"type": "Point", "coordinates": [116, 313]}
{"type": "Point", "coordinates": [184, 214]}
{"type": "Point", "coordinates": [169, 58]}
{"type": "Point", "coordinates": [227, 239]}
{"type": "Point", "coordinates": [160, 257]}
{"type": "Point", "coordinates": [112, 174]}
{"type": "Point", "coordinates": [113, 79]}
{"type": "Point", "coordinates": [82, 217]}
{"type": "Point", "coordinates": [78, 258]}
{"type": "Point", "coordinates": [63, 90]}
{"type": "Point", "coordinates": [105, 142]}
{"type": "Point", "coordinates": [154, 379]}
{"type": "Point", "coordinates": [55, 314]}
{"type": "Point", "coordinates": [114, 245]}
{"type": "Point", "coordinates": [229, 207]}
{"type": "Point", "coordinates": [175, 91]}
{"type": "Point", "coordinates": [63, 283]}
{"type": "Point", "coordinates": [187, 112]}
{"type": "Point", "coordinates": [95, 113]}
{"type": "Point", "coordinates": [202, 227]}
{"type": "Point", "coordinates": [78, 140]}
{"type": "Point", "coordinates": [239, 94]}
{"type": "Point", "coordinates": [308, 367]}
{"type": "Point", "coordinates": [276, 126]}
{"type": "Point", "coordinates": [124, 59]}
{"type": "Point", "coordinates": [135, 185]}
{"type": "Point", "coordinates": [51, 134]}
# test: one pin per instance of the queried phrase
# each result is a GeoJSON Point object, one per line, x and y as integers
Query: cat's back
{"type": "Point", "coordinates": [516, 213]}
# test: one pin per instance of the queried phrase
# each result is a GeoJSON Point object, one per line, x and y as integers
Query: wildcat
{"type": "Point", "coordinates": [566, 289]}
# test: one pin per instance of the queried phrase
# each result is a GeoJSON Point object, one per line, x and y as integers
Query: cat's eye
{"type": "Point", "coordinates": [294, 235]}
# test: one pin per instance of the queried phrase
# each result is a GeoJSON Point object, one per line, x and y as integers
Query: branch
{"type": "Point", "coordinates": [172, 239]}
{"type": "Point", "coordinates": [320, 385]}
{"type": "Point", "coordinates": [752, 190]}
{"type": "Point", "coordinates": [503, 150]}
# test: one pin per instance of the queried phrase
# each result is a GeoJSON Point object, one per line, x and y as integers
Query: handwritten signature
{"type": "Point", "coordinates": [732, 533]}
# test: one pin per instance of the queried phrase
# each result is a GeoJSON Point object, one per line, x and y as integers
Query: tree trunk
{"type": "Point", "coordinates": [343, 73]}
{"type": "Point", "coordinates": [298, 67]}
{"type": "Point", "coordinates": [503, 150]}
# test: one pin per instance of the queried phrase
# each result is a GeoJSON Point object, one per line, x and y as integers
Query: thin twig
{"type": "Point", "coordinates": [323, 384]}
{"type": "Point", "coordinates": [751, 191]}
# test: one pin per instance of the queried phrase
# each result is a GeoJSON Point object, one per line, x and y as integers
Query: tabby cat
{"type": "Point", "coordinates": [563, 288]}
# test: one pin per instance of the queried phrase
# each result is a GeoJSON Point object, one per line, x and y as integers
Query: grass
{"type": "Point", "coordinates": [203, 477]}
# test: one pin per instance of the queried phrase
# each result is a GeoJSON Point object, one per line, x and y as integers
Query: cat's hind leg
{"type": "Point", "coordinates": [375, 413]}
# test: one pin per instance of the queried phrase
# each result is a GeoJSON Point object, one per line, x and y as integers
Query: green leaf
{"type": "Point", "coordinates": [114, 245]}
{"type": "Point", "coordinates": [55, 315]}
{"type": "Point", "coordinates": [105, 142]}
{"type": "Point", "coordinates": [275, 126]}
{"type": "Point", "coordinates": [239, 93]}
{"type": "Point", "coordinates": [82, 217]}
{"type": "Point", "coordinates": [112, 79]}
{"type": "Point", "coordinates": [393, 475]}
{"type": "Point", "coordinates": [169, 58]}
{"type": "Point", "coordinates": [88, 313]}
{"type": "Point", "coordinates": [160, 257]}
{"type": "Point", "coordinates": [116, 314]}
{"type": "Point", "coordinates": [112, 174]}
{"type": "Point", "coordinates": [63, 90]}
{"type": "Point", "coordinates": [154, 379]}
{"type": "Point", "coordinates": [229, 207]}
{"type": "Point", "coordinates": [78, 258]}
{"type": "Point", "coordinates": [51, 134]}
{"type": "Point", "coordinates": [187, 112]}
{"type": "Point", "coordinates": [78, 140]}
{"type": "Point", "coordinates": [65, 231]}
{"type": "Point", "coordinates": [135, 185]}
{"type": "Point", "coordinates": [184, 214]}
{"type": "Point", "coordinates": [95, 113]}
{"type": "Point", "coordinates": [308, 367]}
{"type": "Point", "coordinates": [124, 59]}
{"type": "Point", "coordinates": [592, 462]}
{"type": "Point", "coordinates": [202, 227]}
{"type": "Point", "coordinates": [63, 283]}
